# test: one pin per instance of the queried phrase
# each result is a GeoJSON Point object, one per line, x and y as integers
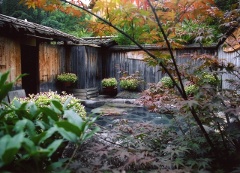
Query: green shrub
{"type": "Point", "coordinates": [43, 99]}
{"type": "Point", "coordinates": [33, 136]}
{"type": "Point", "coordinates": [210, 79]}
{"type": "Point", "coordinates": [67, 77]}
{"type": "Point", "coordinates": [109, 82]}
{"type": "Point", "coordinates": [167, 82]}
{"type": "Point", "coordinates": [129, 84]}
{"type": "Point", "coordinates": [191, 89]}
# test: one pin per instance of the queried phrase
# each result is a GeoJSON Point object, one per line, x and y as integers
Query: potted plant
{"type": "Point", "coordinates": [129, 84]}
{"type": "Point", "coordinates": [167, 82]}
{"type": "Point", "coordinates": [191, 89]}
{"type": "Point", "coordinates": [109, 86]}
{"type": "Point", "coordinates": [67, 78]}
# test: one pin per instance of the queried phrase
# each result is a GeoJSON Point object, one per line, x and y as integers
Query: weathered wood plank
{"type": "Point", "coordinates": [51, 59]}
{"type": "Point", "coordinates": [86, 93]}
{"type": "Point", "coordinates": [92, 89]}
{"type": "Point", "coordinates": [10, 58]}
{"type": "Point", "coordinates": [131, 61]}
{"type": "Point", "coordinates": [227, 57]}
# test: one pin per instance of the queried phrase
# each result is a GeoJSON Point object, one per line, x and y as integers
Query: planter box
{"type": "Point", "coordinates": [111, 91]}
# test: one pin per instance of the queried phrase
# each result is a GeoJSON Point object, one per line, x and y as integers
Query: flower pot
{"type": "Point", "coordinates": [111, 91]}
{"type": "Point", "coordinates": [66, 84]}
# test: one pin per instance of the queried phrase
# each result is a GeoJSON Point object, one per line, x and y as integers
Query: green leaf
{"type": "Point", "coordinates": [49, 113]}
{"type": "Point", "coordinates": [19, 106]}
{"type": "Point", "coordinates": [57, 106]}
{"type": "Point", "coordinates": [90, 134]}
{"type": "Point", "coordinates": [54, 146]}
{"type": "Point", "coordinates": [68, 135]}
{"type": "Point", "coordinates": [16, 140]}
{"type": "Point", "coordinates": [29, 146]}
{"type": "Point", "coordinates": [73, 118]}
{"type": "Point", "coordinates": [66, 103]}
{"type": "Point", "coordinates": [42, 125]}
{"type": "Point", "coordinates": [16, 104]}
{"type": "Point", "coordinates": [40, 153]}
{"type": "Point", "coordinates": [9, 155]}
{"type": "Point", "coordinates": [3, 78]}
{"type": "Point", "coordinates": [69, 131]}
{"type": "Point", "coordinates": [21, 124]}
{"type": "Point", "coordinates": [3, 114]}
{"type": "Point", "coordinates": [44, 135]}
{"type": "Point", "coordinates": [3, 143]}
{"type": "Point", "coordinates": [33, 110]}
{"type": "Point", "coordinates": [4, 90]}
{"type": "Point", "coordinates": [9, 147]}
{"type": "Point", "coordinates": [68, 126]}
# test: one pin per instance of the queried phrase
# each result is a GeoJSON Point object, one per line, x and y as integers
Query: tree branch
{"type": "Point", "coordinates": [192, 109]}
{"type": "Point", "coordinates": [134, 41]}
{"type": "Point", "coordinates": [181, 87]}
{"type": "Point", "coordinates": [182, 91]}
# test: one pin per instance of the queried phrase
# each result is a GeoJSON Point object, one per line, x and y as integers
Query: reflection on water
{"type": "Point", "coordinates": [111, 113]}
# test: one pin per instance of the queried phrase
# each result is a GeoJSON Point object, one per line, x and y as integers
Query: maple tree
{"type": "Point", "coordinates": [161, 23]}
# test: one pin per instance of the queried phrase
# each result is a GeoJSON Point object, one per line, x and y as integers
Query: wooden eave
{"type": "Point", "coordinates": [11, 25]}
{"type": "Point", "coordinates": [226, 35]}
{"type": "Point", "coordinates": [156, 47]}
{"type": "Point", "coordinates": [104, 41]}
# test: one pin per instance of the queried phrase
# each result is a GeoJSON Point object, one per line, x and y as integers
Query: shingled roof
{"type": "Point", "coordinates": [105, 41]}
{"type": "Point", "coordinates": [11, 25]}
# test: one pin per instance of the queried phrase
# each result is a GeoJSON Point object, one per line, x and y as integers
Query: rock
{"type": "Point", "coordinates": [108, 110]}
{"type": "Point", "coordinates": [93, 103]}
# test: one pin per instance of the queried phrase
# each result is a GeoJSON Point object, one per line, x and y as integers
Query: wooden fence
{"type": "Point", "coordinates": [119, 60]}
{"type": "Point", "coordinates": [231, 57]}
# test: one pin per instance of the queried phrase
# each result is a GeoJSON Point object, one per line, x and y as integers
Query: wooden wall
{"type": "Point", "coordinates": [86, 63]}
{"type": "Point", "coordinates": [51, 63]}
{"type": "Point", "coordinates": [118, 62]}
{"type": "Point", "coordinates": [232, 57]}
{"type": "Point", "coordinates": [132, 61]}
{"type": "Point", "coordinates": [94, 66]}
{"type": "Point", "coordinates": [91, 64]}
{"type": "Point", "coordinates": [10, 58]}
{"type": "Point", "coordinates": [184, 56]}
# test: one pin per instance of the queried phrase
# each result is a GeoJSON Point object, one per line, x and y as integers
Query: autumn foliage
{"type": "Point", "coordinates": [134, 17]}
